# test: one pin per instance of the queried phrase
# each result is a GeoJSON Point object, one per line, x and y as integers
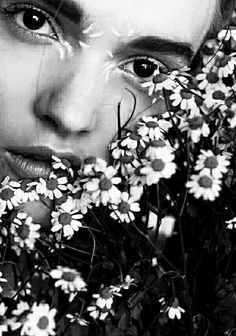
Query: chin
{"type": "Point", "coordinates": [39, 211]}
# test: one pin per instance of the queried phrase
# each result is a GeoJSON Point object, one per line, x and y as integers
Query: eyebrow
{"type": "Point", "coordinates": [162, 45]}
{"type": "Point", "coordinates": [67, 8]}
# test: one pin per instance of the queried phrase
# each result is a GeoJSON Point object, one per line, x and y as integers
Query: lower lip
{"type": "Point", "coordinates": [27, 168]}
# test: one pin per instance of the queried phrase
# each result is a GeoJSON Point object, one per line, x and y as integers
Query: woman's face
{"type": "Point", "coordinates": [66, 65]}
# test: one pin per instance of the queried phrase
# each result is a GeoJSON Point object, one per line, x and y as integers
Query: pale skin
{"type": "Point", "coordinates": [60, 97]}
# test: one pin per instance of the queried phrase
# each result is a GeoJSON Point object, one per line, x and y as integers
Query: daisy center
{"type": "Point", "coordinates": [158, 165]}
{"type": "Point", "coordinates": [61, 200]}
{"type": "Point", "coordinates": [68, 276]}
{"type": "Point", "coordinates": [65, 218]}
{"type": "Point", "coordinates": [24, 185]}
{"type": "Point", "coordinates": [212, 77]}
{"type": "Point", "coordinates": [134, 136]}
{"type": "Point", "coordinates": [106, 293]}
{"type": "Point", "coordinates": [230, 114]}
{"type": "Point", "coordinates": [105, 184]}
{"type": "Point", "coordinates": [205, 182]}
{"type": "Point", "coordinates": [23, 231]}
{"type": "Point", "coordinates": [90, 160]}
{"type": "Point", "coordinates": [152, 124]}
{"type": "Point", "coordinates": [185, 94]}
{"type": "Point", "coordinates": [6, 194]}
{"type": "Point", "coordinates": [126, 159]}
{"type": "Point", "coordinates": [123, 207]}
{"type": "Point", "coordinates": [157, 143]}
{"type": "Point", "coordinates": [224, 61]}
{"type": "Point", "coordinates": [52, 184]}
{"type": "Point", "coordinates": [218, 95]}
{"type": "Point", "coordinates": [211, 162]}
{"type": "Point", "coordinates": [43, 323]}
{"type": "Point", "coordinates": [66, 163]}
{"type": "Point", "coordinates": [195, 123]}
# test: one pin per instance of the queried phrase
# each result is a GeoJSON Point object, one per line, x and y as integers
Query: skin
{"type": "Point", "coordinates": [67, 103]}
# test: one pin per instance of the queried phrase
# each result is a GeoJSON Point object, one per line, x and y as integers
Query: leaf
{"type": "Point", "coordinates": [124, 321]}
{"type": "Point", "coordinates": [136, 311]}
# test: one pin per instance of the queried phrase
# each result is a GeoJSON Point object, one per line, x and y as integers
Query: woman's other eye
{"type": "Point", "coordinates": [33, 21]}
{"type": "Point", "coordinates": [142, 68]}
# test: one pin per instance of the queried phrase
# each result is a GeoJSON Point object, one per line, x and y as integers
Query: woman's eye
{"type": "Point", "coordinates": [142, 68]}
{"type": "Point", "coordinates": [33, 21]}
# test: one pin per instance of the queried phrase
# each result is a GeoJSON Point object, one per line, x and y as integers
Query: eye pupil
{"type": "Point", "coordinates": [144, 68]}
{"type": "Point", "coordinates": [33, 20]}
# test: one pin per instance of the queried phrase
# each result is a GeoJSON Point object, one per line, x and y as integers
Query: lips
{"type": "Point", "coordinates": [35, 162]}
{"type": "Point", "coordinates": [28, 166]}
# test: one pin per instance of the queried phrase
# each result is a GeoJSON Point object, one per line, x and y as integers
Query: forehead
{"type": "Point", "coordinates": [181, 20]}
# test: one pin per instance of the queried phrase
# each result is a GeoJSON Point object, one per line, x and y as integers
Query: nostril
{"type": "Point", "coordinates": [49, 122]}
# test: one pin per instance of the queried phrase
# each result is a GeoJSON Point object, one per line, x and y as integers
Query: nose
{"type": "Point", "coordinates": [69, 106]}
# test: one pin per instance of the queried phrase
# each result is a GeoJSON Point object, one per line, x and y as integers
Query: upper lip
{"type": "Point", "coordinates": [44, 154]}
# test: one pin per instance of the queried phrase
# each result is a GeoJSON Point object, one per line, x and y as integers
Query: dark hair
{"type": "Point", "coordinates": [222, 15]}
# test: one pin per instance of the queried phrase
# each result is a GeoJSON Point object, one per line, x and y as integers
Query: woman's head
{"type": "Point", "coordinates": [66, 65]}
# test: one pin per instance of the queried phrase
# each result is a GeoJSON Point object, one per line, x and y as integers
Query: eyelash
{"type": "Point", "coordinates": [14, 9]}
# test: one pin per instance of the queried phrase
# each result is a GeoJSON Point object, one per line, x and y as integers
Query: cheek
{"type": "Point", "coordinates": [19, 83]}
{"type": "Point", "coordinates": [134, 102]}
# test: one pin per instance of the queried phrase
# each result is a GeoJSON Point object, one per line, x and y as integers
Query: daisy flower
{"type": "Point", "coordinates": [126, 160]}
{"type": "Point", "coordinates": [96, 313]}
{"type": "Point", "coordinates": [27, 191]}
{"type": "Point", "coordinates": [162, 166]}
{"type": "Point", "coordinates": [19, 313]}
{"type": "Point", "coordinates": [153, 127]}
{"type": "Point", "coordinates": [162, 81]}
{"type": "Point", "coordinates": [76, 318]}
{"type": "Point", "coordinates": [136, 191]}
{"type": "Point", "coordinates": [62, 164]}
{"type": "Point", "coordinates": [157, 147]}
{"type": "Point", "coordinates": [3, 321]}
{"type": "Point", "coordinates": [8, 197]}
{"type": "Point", "coordinates": [52, 187]}
{"type": "Point", "coordinates": [102, 188]}
{"type": "Point", "coordinates": [204, 185]}
{"type": "Point", "coordinates": [207, 79]}
{"type": "Point", "coordinates": [231, 115]}
{"type": "Point", "coordinates": [138, 177]}
{"type": "Point", "coordinates": [174, 311]}
{"type": "Point", "coordinates": [226, 65]}
{"type": "Point", "coordinates": [126, 284]}
{"type": "Point", "coordinates": [195, 127]}
{"type": "Point", "coordinates": [84, 202]}
{"type": "Point", "coordinates": [159, 82]}
{"type": "Point", "coordinates": [124, 209]}
{"type": "Point", "coordinates": [227, 34]}
{"type": "Point", "coordinates": [2, 280]}
{"type": "Point", "coordinates": [105, 298]}
{"type": "Point", "coordinates": [40, 321]}
{"type": "Point", "coordinates": [24, 231]}
{"type": "Point", "coordinates": [215, 164]}
{"type": "Point", "coordinates": [215, 98]}
{"type": "Point", "coordinates": [231, 224]}
{"type": "Point", "coordinates": [68, 279]}
{"type": "Point", "coordinates": [133, 140]}
{"type": "Point", "coordinates": [66, 218]}
{"type": "Point", "coordinates": [184, 98]}
{"type": "Point", "coordinates": [92, 165]}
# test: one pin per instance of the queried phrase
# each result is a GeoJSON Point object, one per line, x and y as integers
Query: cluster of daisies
{"type": "Point", "coordinates": [189, 141]}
